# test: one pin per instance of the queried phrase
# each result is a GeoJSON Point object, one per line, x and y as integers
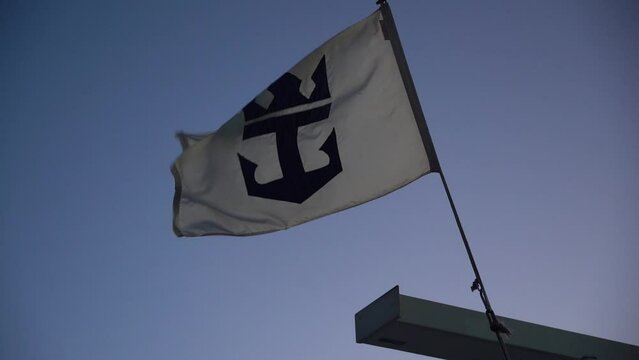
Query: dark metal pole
{"type": "Point", "coordinates": [478, 284]}
{"type": "Point", "coordinates": [389, 24]}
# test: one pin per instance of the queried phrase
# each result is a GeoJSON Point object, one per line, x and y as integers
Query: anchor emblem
{"type": "Point", "coordinates": [296, 184]}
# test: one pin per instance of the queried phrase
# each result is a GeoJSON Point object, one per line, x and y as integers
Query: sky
{"type": "Point", "coordinates": [533, 110]}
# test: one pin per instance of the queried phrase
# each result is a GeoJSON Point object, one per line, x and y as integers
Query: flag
{"type": "Point", "coordinates": [340, 128]}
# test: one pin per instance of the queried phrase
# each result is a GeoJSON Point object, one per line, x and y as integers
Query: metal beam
{"type": "Point", "coordinates": [438, 330]}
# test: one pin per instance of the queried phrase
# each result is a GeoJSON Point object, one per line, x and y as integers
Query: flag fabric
{"type": "Point", "coordinates": [337, 130]}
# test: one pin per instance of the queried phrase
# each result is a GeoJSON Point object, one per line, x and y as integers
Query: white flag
{"type": "Point", "coordinates": [335, 131]}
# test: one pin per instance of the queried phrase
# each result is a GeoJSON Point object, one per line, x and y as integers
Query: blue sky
{"type": "Point", "coordinates": [533, 111]}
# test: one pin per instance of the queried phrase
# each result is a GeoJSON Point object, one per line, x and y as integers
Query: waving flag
{"type": "Point", "coordinates": [341, 128]}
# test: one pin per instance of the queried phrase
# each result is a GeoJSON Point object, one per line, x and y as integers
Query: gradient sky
{"type": "Point", "coordinates": [533, 108]}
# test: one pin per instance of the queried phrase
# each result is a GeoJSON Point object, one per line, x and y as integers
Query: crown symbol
{"type": "Point", "coordinates": [296, 184]}
{"type": "Point", "coordinates": [286, 94]}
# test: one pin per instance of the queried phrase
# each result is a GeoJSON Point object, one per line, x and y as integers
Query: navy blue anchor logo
{"type": "Point", "coordinates": [296, 185]}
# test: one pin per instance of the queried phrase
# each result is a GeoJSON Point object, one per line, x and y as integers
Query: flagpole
{"type": "Point", "coordinates": [497, 327]}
